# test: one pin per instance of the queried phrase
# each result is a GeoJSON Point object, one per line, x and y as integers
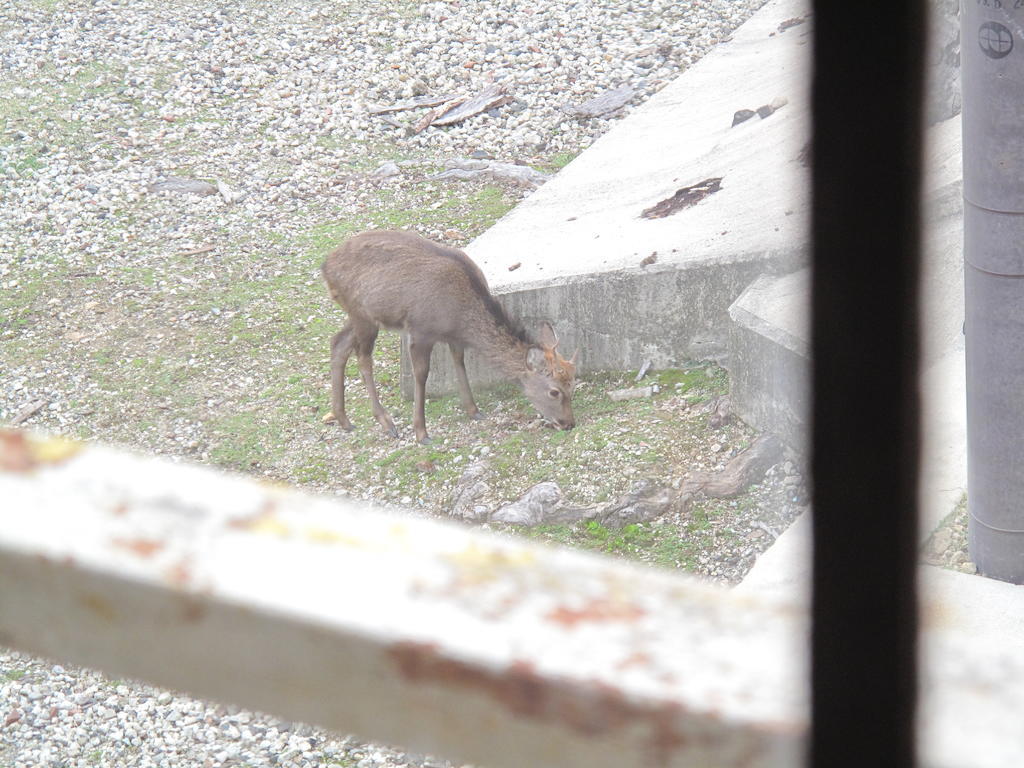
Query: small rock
{"type": "Point", "coordinates": [182, 186]}
{"type": "Point", "coordinates": [387, 170]}
{"type": "Point", "coordinates": [742, 115]}
{"type": "Point", "coordinates": [607, 102]}
{"type": "Point", "coordinates": [425, 466]}
{"type": "Point", "coordinates": [470, 488]}
{"type": "Point", "coordinates": [941, 540]}
{"type": "Point", "coordinates": [969, 567]}
{"type": "Point", "coordinates": [228, 194]}
{"type": "Point", "coordinates": [719, 411]}
{"type": "Point", "coordinates": [631, 393]}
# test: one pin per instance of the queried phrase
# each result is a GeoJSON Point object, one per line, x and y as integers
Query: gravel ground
{"type": "Point", "coordinates": [273, 101]}
{"type": "Point", "coordinates": [947, 546]}
{"type": "Point", "coordinates": [142, 318]}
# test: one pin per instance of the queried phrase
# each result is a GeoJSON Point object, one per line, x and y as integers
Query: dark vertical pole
{"type": "Point", "coordinates": [867, 96]}
{"type": "Point", "coordinates": [993, 99]}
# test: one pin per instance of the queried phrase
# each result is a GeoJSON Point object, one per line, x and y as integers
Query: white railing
{"type": "Point", "coordinates": [436, 637]}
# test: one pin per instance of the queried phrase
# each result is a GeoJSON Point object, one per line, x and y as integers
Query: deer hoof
{"type": "Point", "coordinates": [344, 423]}
{"type": "Point", "coordinates": [478, 416]}
{"type": "Point", "coordinates": [392, 431]}
{"type": "Point", "coordinates": [425, 441]}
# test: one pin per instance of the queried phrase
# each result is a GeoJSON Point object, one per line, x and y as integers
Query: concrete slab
{"type": "Point", "coordinates": [580, 239]}
{"type": "Point", "coordinates": [769, 356]}
{"type": "Point", "coordinates": [769, 340]}
{"type": "Point", "coordinates": [588, 218]}
{"type": "Point", "coordinates": [959, 602]}
{"type": "Point", "coordinates": [776, 309]}
{"type": "Point", "coordinates": [785, 568]}
{"type": "Point", "coordinates": [783, 571]}
{"type": "Point", "coordinates": [943, 471]}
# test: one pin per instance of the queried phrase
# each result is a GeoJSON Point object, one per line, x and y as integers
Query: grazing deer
{"type": "Point", "coordinates": [434, 293]}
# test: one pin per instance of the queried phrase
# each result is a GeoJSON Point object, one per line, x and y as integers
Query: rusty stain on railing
{"type": "Point", "coordinates": [23, 452]}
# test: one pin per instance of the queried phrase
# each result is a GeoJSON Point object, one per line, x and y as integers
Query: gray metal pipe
{"type": "Point", "coordinates": [992, 77]}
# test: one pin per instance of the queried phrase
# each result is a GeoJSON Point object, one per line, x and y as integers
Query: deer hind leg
{"type": "Point", "coordinates": [419, 352]}
{"type": "Point", "coordinates": [341, 347]}
{"type": "Point", "coordinates": [366, 337]}
{"type": "Point", "coordinates": [465, 393]}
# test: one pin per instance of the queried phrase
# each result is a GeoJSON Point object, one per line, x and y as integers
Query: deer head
{"type": "Point", "coordinates": [549, 379]}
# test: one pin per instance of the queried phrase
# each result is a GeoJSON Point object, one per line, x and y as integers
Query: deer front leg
{"type": "Point", "coordinates": [419, 353]}
{"type": "Point", "coordinates": [465, 393]}
{"type": "Point", "coordinates": [365, 352]}
{"type": "Point", "coordinates": [341, 348]}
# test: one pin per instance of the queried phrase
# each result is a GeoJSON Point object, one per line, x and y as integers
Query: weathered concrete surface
{"type": "Point", "coordinates": [769, 356]}
{"type": "Point", "coordinates": [580, 239]}
{"type": "Point", "coordinates": [619, 319]}
{"type": "Point", "coordinates": [942, 268]}
{"type": "Point", "coordinates": [769, 343]}
{"type": "Point", "coordinates": [972, 629]}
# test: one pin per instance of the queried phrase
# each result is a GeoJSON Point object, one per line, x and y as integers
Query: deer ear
{"type": "Point", "coordinates": [535, 359]}
{"type": "Point", "coordinates": [548, 337]}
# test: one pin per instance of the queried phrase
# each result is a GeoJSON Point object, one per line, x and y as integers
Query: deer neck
{"type": "Point", "coordinates": [504, 350]}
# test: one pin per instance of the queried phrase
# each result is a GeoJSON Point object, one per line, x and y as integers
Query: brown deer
{"type": "Point", "coordinates": [434, 293]}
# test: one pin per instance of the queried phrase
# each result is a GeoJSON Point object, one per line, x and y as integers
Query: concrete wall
{"type": "Point", "coordinates": [769, 356]}
{"type": "Point", "coordinates": [618, 320]}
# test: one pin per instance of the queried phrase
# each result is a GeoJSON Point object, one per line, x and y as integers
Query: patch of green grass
{"type": "Point", "coordinates": [28, 164]}
{"type": "Point", "coordinates": [14, 674]}
{"type": "Point", "coordinates": [49, 102]}
{"type": "Point", "coordinates": [315, 469]}
{"type": "Point", "coordinates": [144, 276]}
{"type": "Point", "coordinates": [468, 210]}
{"type": "Point", "coordinates": [17, 304]}
{"type": "Point", "coordinates": [48, 5]}
{"type": "Point", "coordinates": [704, 381]}
{"type": "Point", "coordinates": [325, 237]}
{"type": "Point", "coordinates": [619, 542]}
{"type": "Point", "coordinates": [660, 544]}
{"type": "Point", "coordinates": [556, 162]}
{"type": "Point", "coordinates": [478, 210]}
{"type": "Point", "coordinates": [244, 440]}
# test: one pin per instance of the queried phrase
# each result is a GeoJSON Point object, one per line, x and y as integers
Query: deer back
{"type": "Point", "coordinates": [403, 281]}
